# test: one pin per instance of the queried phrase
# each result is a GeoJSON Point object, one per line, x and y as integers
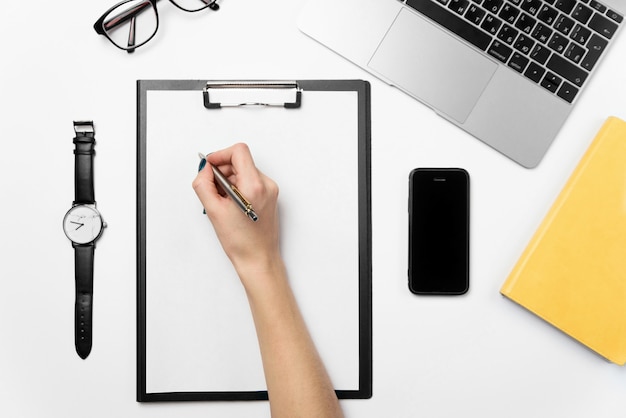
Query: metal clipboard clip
{"type": "Point", "coordinates": [286, 94]}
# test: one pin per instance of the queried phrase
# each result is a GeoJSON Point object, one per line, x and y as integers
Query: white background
{"type": "Point", "coordinates": [476, 355]}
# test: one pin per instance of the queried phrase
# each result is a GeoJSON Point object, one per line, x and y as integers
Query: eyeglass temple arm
{"type": "Point", "coordinates": [122, 17]}
{"type": "Point", "coordinates": [212, 4]}
{"type": "Point", "coordinates": [131, 35]}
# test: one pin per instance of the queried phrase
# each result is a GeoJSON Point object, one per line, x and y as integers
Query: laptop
{"type": "Point", "coordinates": [506, 71]}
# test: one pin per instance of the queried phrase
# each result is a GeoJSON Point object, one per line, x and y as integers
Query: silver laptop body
{"type": "Point", "coordinates": [488, 88]}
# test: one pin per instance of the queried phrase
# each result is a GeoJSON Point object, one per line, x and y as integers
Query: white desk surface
{"type": "Point", "coordinates": [476, 355]}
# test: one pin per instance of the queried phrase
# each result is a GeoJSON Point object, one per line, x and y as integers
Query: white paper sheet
{"type": "Point", "coordinates": [199, 331]}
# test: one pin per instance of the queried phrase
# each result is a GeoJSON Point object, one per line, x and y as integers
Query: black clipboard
{"type": "Point", "coordinates": [159, 117]}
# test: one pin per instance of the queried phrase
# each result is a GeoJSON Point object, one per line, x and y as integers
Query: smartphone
{"type": "Point", "coordinates": [439, 231]}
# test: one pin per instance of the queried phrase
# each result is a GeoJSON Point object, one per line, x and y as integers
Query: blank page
{"type": "Point", "coordinates": [199, 331]}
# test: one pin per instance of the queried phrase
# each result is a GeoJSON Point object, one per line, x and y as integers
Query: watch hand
{"type": "Point", "coordinates": [77, 223]}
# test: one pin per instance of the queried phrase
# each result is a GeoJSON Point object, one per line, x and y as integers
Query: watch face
{"type": "Point", "coordinates": [82, 224]}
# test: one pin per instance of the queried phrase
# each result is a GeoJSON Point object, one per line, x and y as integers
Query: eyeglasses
{"type": "Point", "coordinates": [132, 23]}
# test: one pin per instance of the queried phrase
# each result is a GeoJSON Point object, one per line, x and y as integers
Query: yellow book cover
{"type": "Point", "coordinates": [573, 272]}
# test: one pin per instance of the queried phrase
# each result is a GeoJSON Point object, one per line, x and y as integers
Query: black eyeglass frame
{"type": "Point", "coordinates": [99, 26]}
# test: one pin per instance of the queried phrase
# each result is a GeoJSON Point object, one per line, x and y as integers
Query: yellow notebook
{"type": "Point", "coordinates": [573, 272]}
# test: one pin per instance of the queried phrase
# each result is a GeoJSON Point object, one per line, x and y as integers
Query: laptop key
{"type": "Point", "coordinates": [547, 14]}
{"type": "Point", "coordinates": [551, 82]}
{"type": "Point", "coordinates": [574, 52]}
{"type": "Point", "coordinates": [459, 6]}
{"type": "Point", "coordinates": [524, 44]}
{"type": "Point", "coordinates": [493, 6]}
{"type": "Point", "coordinates": [565, 6]}
{"type": "Point", "coordinates": [509, 13]}
{"type": "Point", "coordinates": [540, 54]}
{"type": "Point", "coordinates": [598, 6]}
{"type": "Point", "coordinates": [615, 16]}
{"type": "Point", "coordinates": [491, 24]}
{"type": "Point", "coordinates": [567, 70]}
{"type": "Point", "coordinates": [534, 72]}
{"type": "Point", "coordinates": [567, 92]}
{"type": "Point", "coordinates": [603, 26]}
{"type": "Point", "coordinates": [475, 14]}
{"type": "Point", "coordinates": [500, 51]}
{"type": "Point", "coordinates": [518, 62]}
{"type": "Point", "coordinates": [596, 47]}
{"type": "Point", "coordinates": [580, 34]}
{"type": "Point", "coordinates": [558, 42]}
{"type": "Point", "coordinates": [507, 34]}
{"type": "Point", "coordinates": [525, 23]}
{"type": "Point", "coordinates": [531, 6]}
{"type": "Point", "coordinates": [582, 13]}
{"type": "Point", "coordinates": [452, 22]}
{"type": "Point", "coordinates": [564, 24]}
{"type": "Point", "coordinates": [542, 33]}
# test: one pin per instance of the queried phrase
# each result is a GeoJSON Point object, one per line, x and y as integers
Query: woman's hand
{"type": "Point", "coordinates": [252, 247]}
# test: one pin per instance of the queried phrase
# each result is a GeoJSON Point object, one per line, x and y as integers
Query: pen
{"type": "Point", "coordinates": [230, 190]}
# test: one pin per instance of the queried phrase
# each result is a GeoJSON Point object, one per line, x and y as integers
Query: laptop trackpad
{"type": "Point", "coordinates": [431, 65]}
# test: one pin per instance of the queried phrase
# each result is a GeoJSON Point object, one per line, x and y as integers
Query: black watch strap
{"type": "Point", "coordinates": [84, 151]}
{"type": "Point", "coordinates": [83, 264]}
{"type": "Point", "coordinates": [84, 142]}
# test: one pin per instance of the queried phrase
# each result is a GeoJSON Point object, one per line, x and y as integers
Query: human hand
{"type": "Point", "coordinates": [252, 247]}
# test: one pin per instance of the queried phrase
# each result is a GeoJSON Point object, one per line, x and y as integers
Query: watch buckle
{"type": "Point", "coordinates": [84, 127]}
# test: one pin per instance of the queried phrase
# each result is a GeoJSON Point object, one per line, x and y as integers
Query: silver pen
{"type": "Point", "coordinates": [230, 190]}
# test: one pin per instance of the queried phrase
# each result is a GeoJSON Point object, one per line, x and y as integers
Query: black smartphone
{"type": "Point", "coordinates": [439, 231]}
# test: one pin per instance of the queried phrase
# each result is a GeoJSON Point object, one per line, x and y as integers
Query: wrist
{"type": "Point", "coordinates": [262, 275]}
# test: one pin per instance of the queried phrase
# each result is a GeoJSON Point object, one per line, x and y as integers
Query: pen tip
{"type": "Point", "coordinates": [202, 156]}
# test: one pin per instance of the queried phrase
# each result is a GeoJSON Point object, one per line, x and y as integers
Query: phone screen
{"type": "Point", "coordinates": [439, 231]}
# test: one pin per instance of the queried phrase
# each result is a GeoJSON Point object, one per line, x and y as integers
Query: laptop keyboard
{"type": "Point", "coordinates": [554, 43]}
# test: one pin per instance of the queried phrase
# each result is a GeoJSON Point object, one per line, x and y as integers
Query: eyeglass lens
{"type": "Point", "coordinates": [131, 24]}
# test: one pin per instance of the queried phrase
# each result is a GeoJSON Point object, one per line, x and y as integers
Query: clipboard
{"type": "Point", "coordinates": [195, 336]}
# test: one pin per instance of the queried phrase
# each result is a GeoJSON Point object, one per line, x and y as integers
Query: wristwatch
{"type": "Point", "coordinates": [83, 226]}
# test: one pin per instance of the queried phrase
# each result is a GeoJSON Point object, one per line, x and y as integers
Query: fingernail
{"type": "Point", "coordinates": [202, 164]}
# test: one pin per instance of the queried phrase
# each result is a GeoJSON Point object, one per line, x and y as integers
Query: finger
{"type": "Point", "coordinates": [227, 171]}
{"type": "Point", "coordinates": [235, 160]}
